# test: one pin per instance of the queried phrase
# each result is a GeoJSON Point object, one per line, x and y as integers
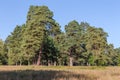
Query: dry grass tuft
{"type": "Point", "coordinates": [58, 73]}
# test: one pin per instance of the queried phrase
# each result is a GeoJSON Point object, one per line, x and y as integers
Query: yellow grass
{"type": "Point", "coordinates": [59, 73]}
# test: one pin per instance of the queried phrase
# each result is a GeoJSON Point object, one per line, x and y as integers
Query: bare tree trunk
{"type": "Point", "coordinates": [55, 63]}
{"type": "Point", "coordinates": [49, 63]}
{"type": "Point", "coordinates": [16, 63]}
{"type": "Point", "coordinates": [59, 62]}
{"type": "Point", "coordinates": [71, 61]}
{"type": "Point", "coordinates": [39, 57]}
{"type": "Point", "coordinates": [28, 62]}
{"type": "Point", "coordinates": [70, 58]}
{"type": "Point", "coordinates": [20, 62]}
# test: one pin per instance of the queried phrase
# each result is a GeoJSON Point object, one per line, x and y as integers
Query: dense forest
{"type": "Point", "coordinates": [40, 41]}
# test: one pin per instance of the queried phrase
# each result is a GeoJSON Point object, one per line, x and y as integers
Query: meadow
{"type": "Point", "coordinates": [59, 73]}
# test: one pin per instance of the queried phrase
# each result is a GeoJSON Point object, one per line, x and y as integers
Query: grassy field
{"type": "Point", "coordinates": [59, 73]}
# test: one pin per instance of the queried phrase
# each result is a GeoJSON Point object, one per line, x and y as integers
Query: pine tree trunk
{"type": "Point", "coordinates": [39, 57]}
{"type": "Point", "coordinates": [55, 63]}
{"type": "Point", "coordinates": [16, 63]}
{"type": "Point", "coordinates": [28, 62]}
{"type": "Point", "coordinates": [20, 62]}
{"type": "Point", "coordinates": [71, 61]}
{"type": "Point", "coordinates": [49, 62]}
{"type": "Point", "coordinates": [59, 62]}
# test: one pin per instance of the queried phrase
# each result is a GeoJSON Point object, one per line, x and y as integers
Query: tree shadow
{"type": "Point", "coordinates": [42, 75]}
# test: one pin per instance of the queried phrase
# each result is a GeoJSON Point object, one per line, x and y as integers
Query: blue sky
{"type": "Point", "coordinates": [98, 13]}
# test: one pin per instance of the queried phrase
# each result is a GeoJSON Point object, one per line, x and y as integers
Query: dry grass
{"type": "Point", "coordinates": [58, 73]}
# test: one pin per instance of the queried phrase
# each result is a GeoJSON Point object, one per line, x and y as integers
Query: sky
{"type": "Point", "coordinates": [98, 13]}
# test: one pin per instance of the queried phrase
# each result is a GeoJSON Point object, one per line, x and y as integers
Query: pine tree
{"type": "Point", "coordinates": [2, 53]}
{"type": "Point", "coordinates": [13, 43]}
{"type": "Point", "coordinates": [96, 42]}
{"type": "Point", "coordinates": [74, 34]}
{"type": "Point", "coordinates": [39, 24]}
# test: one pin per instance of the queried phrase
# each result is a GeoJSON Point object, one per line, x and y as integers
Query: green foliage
{"type": "Point", "coordinates": [39, 25]}
{"type": "Point", "coordinates": [50, 52]}
{"type": "Point", "coordinates": [13, 43]}
{"type": "Point", "coordinates": [40, 42]}
{"type": "Point", "coordinates": [2, 56]}
{"type": "Point", "coordinates": [3, 53]}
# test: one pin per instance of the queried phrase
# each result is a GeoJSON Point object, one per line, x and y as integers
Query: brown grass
{"type": "Point", "coordinates": [59, 73]}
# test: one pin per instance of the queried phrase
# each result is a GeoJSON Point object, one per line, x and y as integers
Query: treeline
{"type": "Point", "coordinates": [40, 41]}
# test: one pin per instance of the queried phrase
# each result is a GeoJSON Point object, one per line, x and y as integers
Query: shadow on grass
{"type": "Point", "coordinates": [42, 75]}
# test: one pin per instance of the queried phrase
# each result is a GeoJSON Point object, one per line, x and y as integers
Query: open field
{"type": "Point", "coordinates": [59, 73]}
